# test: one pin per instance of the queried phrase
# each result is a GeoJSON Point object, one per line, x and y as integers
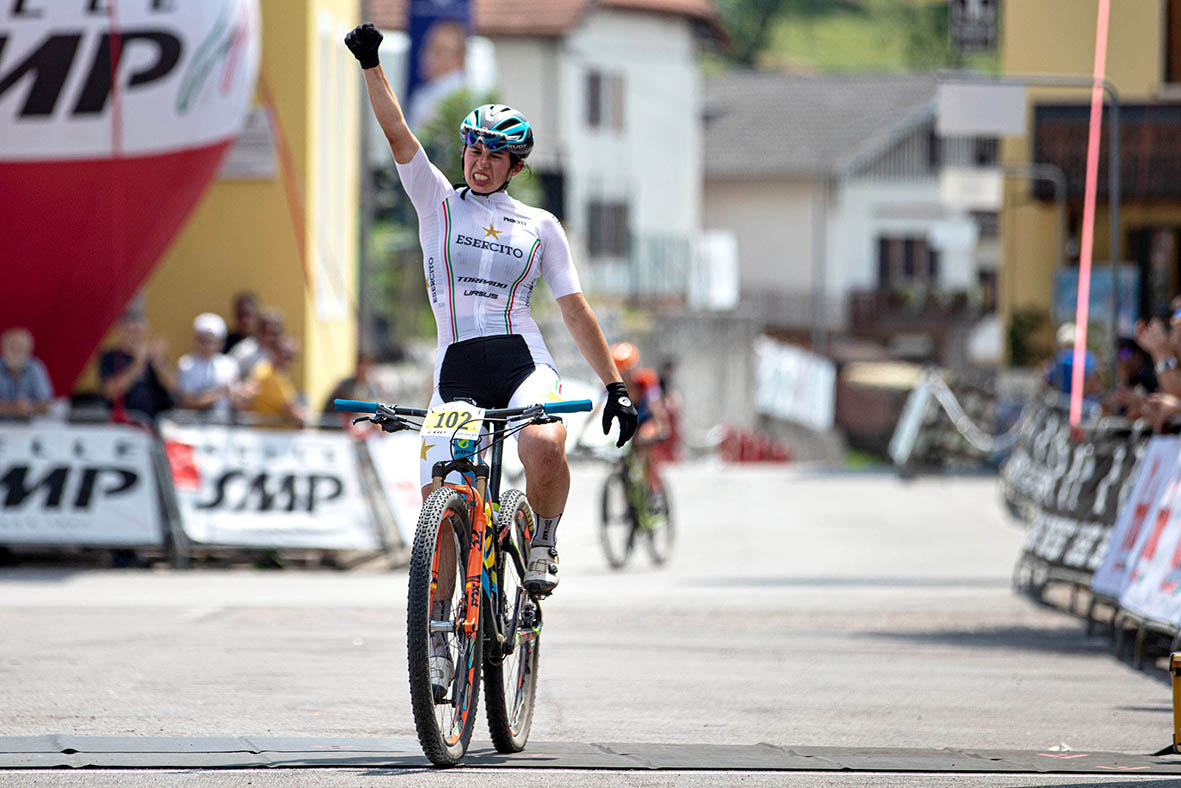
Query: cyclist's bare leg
{"type": "Point", "coordinates": [542, 448]}
{"type": "Point", "coordinates": [446, 585]}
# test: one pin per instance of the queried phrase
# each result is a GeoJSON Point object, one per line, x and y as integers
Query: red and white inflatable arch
{"type": "Point", "coordinates": [114, 115]}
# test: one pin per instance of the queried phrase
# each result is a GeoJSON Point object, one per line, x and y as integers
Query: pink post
{"type": "Point", "coordinates": [1087, 247]}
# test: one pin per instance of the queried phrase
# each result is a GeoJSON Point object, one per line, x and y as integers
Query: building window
{"type": "Point", "coordinates": [553, 191]}
{"type": "Point", "coordinates": [604, 100]}
{"type": "Point", "coordinates": [1173, 42]}
{"type": "Point", "coordinates": [984, 151]}
{"type": "Point", "coordinates": [608, 234]}
{"type": "Point", "coordinates": [934, 150]}
{"type": "Point", "coordinates": [906, 261]}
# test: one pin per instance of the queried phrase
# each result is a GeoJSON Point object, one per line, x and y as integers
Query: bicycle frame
{"type": "Point", "coordinates": [480, 493]}
{"type": "Point", "coordinates": [484, 545]}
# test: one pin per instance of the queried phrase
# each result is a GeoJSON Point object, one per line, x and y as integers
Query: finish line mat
{"type": "Point", "coordinates": [131, 752]}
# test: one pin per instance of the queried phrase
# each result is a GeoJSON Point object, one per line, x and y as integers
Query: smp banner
{"type": "Point", "coordinates": [395, 458]}
{"type": "Point", "coordinates": [78, 485]}
{"type": "Point", "coordinates": [113, 119]}
{"type": "Point", "coordinates": [1140, 516]}
{"type": "Point", "coordinates": [246, 487]}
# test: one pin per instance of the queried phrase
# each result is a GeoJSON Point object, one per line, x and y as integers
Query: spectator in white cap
{"type": "Point", "coordinates": [208, 378]}
{"type": "Point", "coordinates": [1060, 374]}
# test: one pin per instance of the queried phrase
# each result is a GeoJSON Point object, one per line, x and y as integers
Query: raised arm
{"type": "Point", "coordinates": [363, 41]}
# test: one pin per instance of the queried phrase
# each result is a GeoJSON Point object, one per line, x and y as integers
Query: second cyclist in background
{"type": "Point", "coordinates": [643, 386]}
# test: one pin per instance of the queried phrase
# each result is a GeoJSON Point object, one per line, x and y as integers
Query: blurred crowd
{"type": "Point", "coordinates": [229, 374]}
{"type": "Point", "coordinates": [1148, 379]}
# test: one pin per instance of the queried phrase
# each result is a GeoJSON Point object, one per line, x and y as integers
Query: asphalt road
{"type": "Point", "coordinates": [800, 609]}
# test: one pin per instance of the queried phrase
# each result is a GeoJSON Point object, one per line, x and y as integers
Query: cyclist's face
{"type": "Point", "coordinates": [484, 171]}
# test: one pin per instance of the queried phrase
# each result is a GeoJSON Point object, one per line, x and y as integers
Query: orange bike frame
{"type": "Point", "coordinates": [475, 556]}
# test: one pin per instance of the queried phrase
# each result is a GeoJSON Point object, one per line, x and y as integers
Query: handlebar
{"type": "Point", "coordinates": [360, 406]}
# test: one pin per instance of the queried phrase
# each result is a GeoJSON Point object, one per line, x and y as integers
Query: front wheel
{"type": "Point", "coordinates": [617, 529]}
{"type": "Point", "coordinates": [659, 524]}
{"type": "Point", "coordinates": [444, 716]}
{"type": "Point", "coordinates": [510, 670]}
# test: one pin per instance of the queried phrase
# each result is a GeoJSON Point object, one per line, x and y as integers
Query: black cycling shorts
{"type": "Point", "coordinates": [485, 370]}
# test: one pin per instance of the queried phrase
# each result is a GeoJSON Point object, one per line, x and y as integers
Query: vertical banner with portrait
{"type": "Point", "coordinates": [437, 67]}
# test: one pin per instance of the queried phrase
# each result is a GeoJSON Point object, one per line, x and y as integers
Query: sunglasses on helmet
{"type": "Point", "coordinates": [492, 140]}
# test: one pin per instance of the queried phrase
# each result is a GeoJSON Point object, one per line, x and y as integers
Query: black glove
{"type": "Point", "coordinates": [619, 406]}
{"type": "Point", "coordinates": [363, 42]}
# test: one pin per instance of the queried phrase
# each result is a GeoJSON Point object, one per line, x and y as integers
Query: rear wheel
{"type": "Point", "coordinates": [617, 529]}
{"type": "Point", "coordinates": [510, 679]}
{"type": "Point", "coordinates": [443, 716]}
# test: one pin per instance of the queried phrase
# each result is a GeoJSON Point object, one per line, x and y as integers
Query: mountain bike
{"type": "Point", "coordinates": [635, 507]}
{"type": "Point", "coordinates": [489, 622]}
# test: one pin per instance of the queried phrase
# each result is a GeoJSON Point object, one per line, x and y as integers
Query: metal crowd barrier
{"type": "Point", "coordinates": [1072, 489]}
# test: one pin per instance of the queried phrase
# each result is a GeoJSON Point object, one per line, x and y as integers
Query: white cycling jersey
{"type": "Point", "coordinates": [481, 256]}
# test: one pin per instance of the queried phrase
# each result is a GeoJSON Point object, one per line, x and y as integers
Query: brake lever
{"type": "Point", "coordinates": [386, 424]}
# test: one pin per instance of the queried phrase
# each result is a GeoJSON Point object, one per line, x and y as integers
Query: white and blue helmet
{"type": "Point", "coordinates": [498, 127]}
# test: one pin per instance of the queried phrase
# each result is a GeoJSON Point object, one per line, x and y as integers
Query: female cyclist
{"type": "Point", "coordinates": [482, 253]}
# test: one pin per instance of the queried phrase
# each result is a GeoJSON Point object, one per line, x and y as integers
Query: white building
{"type": "Point", "coordinates": [831, 186]}
{"type": "Point", "coordinates": [613, 92]}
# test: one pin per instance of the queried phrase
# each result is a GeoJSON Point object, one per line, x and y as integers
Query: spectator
{"type": "Point", "coordinates": [135, 374]}
{"type": "Point", "coordinates": [249, 352]}
{"type": "Point", "coordinates": [1135, 380]}
{"type": "Point", "coordinates": [669, 449]}
{"type": "Point", "coordinates": [25, 390]}
{"type": "Point", "coordinates": [207, 379]}
{"type": "Point", "coordinates": [1160, 336]}
{"type": "Point", "coordinates": [276, 393]}
{"type": "Point", "coordinates": [359, 385]}
{"type": "Point", "coordinates": [1060, 375]}
{"type": "Point", "coordinates": [245, 320]}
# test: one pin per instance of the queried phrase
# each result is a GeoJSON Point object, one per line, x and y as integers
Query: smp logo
{"type": "Point", "coordinates": [239, 490]}
{"type": "Point", "coordinates": [64, 487]}
{"type": "Point", "coordinates": [48, 66]}
{"type": "Point", "coordinates": [72, 57]}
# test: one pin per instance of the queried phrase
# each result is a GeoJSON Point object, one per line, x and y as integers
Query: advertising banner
{"type": "Point", "coordinates": [1153, 589]}
{"type": "Point", "coordinates": [437, 58]}
{"type": "Point", "coordinates": [395, 457]}
{"type": "Point", "coordinates": [1138, 516]}
{"type": "Point", "coordinates": [269, 488]}
{"type": "Point", "coordinates": [794, 384]}
{"type": "Point", "coordinates": [78, 485]}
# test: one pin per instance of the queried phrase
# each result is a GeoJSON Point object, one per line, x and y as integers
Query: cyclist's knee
{"type": "Point", "coordinates": [543, 446]}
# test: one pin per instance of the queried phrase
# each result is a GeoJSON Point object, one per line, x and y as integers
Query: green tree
{"type": "Point", "coordinates": [925, 31]}
{"type": "Point", "coordinates": [750, 23]}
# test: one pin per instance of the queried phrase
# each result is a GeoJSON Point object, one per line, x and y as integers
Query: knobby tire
{"type": "Point", "coordinates": [510, 683]}
{"type": "Point", "coordinates": [443, 748]}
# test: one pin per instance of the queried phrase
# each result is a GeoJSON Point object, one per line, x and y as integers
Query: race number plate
{"type": "Point", "coordinates": [454, 420]}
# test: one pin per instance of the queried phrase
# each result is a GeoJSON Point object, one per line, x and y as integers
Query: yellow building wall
{"type": "Point", "coordinates": [244, 234]}
{"type": "Point", "coordinates": [1058, 37]}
